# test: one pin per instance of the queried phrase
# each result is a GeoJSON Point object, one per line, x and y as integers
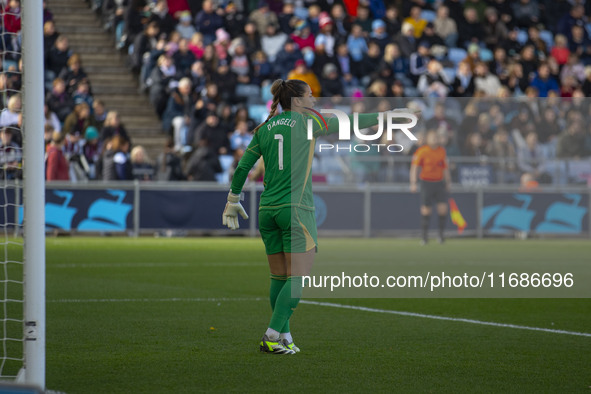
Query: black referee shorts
{"type": "Point", "coordinates": [433, 192]}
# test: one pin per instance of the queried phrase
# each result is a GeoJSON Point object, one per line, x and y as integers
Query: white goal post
{"type": "Point", "coordinates": [33, 193]}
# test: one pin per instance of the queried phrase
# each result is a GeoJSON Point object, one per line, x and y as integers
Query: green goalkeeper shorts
{"type": "Point", "coordinates": [289, 230]}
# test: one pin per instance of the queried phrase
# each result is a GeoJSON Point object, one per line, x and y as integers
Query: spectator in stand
{"type": "Point", "coordinates": [226, 82]}
{"type": "Point", "coordinates": [587, 82]}
{"type": "Point", "coordinates": [11, 18]}
{"type": "Point", "coordinates": [406, 40]}
{"type": "Point", "coordinates": [262, 17]}
{"type": "Point", "coordinates": [379, 34]}
{"type": "Point", "coordinates": [82, 94]}
{"type": "Point", "coordinates": [141, 166]}
{"type": "Point", "coordinates": [580, 44]}
{"type": "Point", "coordinates": [575, 17]}
{"type": "Point", "coordinates": [446, 27]}
{"type": "Point", "coordinates": [239, 62]}
{"type": "Point", "coordinates": [544, 82]}
{"type": "Point", "coordinates": [11, 155]}
{"type": "Point", "coordinates": [91, 150]}
{"type": "Point", "coordinates": [474, 145]}
{"type": "Point", "coordinates": [419, 60]}
{"type": "Point", "coordinates": [57, 58]}
{"type": "Point", "coordinates": [302, 36]}
{"type": "Point", "coordinates": [203, 163]}
{"type": "Point", "coordinates": [73, 74]}
{"type": "Point", "coordinates": [571, 142]}
{"type": "Point", "coordinates": [135, 18]}
{"type": "Point", "coordinates": [196, 45]}
{"type": "Point", "coordinates": [100, 113]}
{"type": "Point", "coordinates": [434, 83]}
{"type": "Point", "coordinates": [240, 138]}
{"type": "Point", "coordinates": [285, 18]}
{"type": "Point", "coordinates": [79, 119]}
{"type": "Point", "coordinates": [114, 128]}
{"type": "Point", "coordinates": [345, 65]}
{"type": "Point", "coordinates": [560, 51]}
{"type": "Point", "coordinates": [160, 81]}
{"type": "Point", "coordinates": [169, 164]}
{"type": "Point", "coordinates": [165, 20]}
{"type": "Point", "coordinates": [185, 27]}
{"type": "Point", "coordinates": [463, 83]}
{"type": "Point", "coordinates": [526, 13]}
{"type": "Point", "coordinates": [416, 21]}
{"type": "Point", "coordinates": [286, 59]}
{"type": "Point", "coordinates": [531, 157]}
{"type": "Point", "coordinates": [272, 41]}
{"type": "Point", "coordinates": [116, 163]}
{"type": "Point", "coordinates": [216, 136]}
{"type": "Point", "coordinates": [573, 68]}
{"type": "Point", "coordinates": [51, 119]}
{"type": "Point", "coordinates": [392, 20]}
{"type": "Point", "coordinates": [486, 82]}
{"type": "Point", "coordinates": [470, 30]}
{"type": "Point", "coordinates": [501, 149]}
{"type": "Point", "coordinates": [331, 85]}
{"type": "Point", "coordinates": [261, 68]}
{"type": "Point", "coordinates": [535, 40]}
{"type": "Point", "coordinates": [495, 29]}
{"type": "Point", "coordinates": [56, 167]}
{"type": "Point", "coordinates": [477, 5]}
{"type": "Point", "coordinates": [234, 20]}
{"type": "Point", "coordinates": [143, 43]}
{"type": "Point", "coordinates": [59, 101]}
{"type": "Point", "coordinates": [363, 18]}
{"type": "Point", "coordinates": [221, 44]}
{"type": "Point", "coordinates": [50, 35]}
{"type": "Point", "coordinates": [183, 58]}
{"type": "Point", "coordinates": [179, 110]}
{"type": "Point", "coordinates": [251, 38]}
{"type": "Point", "coordinates": [11, 114]}
{"type": "Point", "coordinates": [325, 36]}
{"type": "Point", "coordinates": [342, 22]}
{"type": "Point", "coordinates": [357, 47]}
{"type": "Point", "coordinates": [302, 72]}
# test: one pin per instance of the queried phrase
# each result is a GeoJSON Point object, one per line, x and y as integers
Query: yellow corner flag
{"type": "Point", "coordinates": [456, 216]}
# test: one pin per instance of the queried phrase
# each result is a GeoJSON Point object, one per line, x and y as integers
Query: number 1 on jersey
{"type": "Point", "coordinates": [280, 138]}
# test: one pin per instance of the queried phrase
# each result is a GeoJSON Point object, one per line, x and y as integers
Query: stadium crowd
{"type": "Point", "coordinates": [207, 67]}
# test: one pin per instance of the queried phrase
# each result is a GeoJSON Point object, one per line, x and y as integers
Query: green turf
{"type": "Point", "coordinates": [149, 344]}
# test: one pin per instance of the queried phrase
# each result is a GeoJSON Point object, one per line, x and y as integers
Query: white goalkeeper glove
{"type": "Point", "coordinates": [233, 208]}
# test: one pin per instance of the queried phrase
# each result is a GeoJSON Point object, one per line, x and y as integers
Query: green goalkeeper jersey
{"type": "Point", "coordinates": [287, 154]}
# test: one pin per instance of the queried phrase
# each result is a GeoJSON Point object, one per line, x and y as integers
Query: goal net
{"type": "Point", "coordinates": [11, 154]}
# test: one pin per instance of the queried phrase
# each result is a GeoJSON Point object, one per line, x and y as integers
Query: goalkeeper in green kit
{"type": "Point", "coordinates": [286, 213]}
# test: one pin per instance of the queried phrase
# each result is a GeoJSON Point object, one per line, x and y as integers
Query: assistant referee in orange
{"type": "Point", "coordinates": [435, 181]}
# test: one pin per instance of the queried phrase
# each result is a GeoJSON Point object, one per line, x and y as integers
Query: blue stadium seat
{"type": "Point", "coordinates": [522, 36]}
{"type": "Point", "coordinates": [486, 55]}
{"type": "Point", "coordinates": [548, 38]}
{"type": "Point", "coordinates": [456, 55]}
{"type": "Point", "coordinates": [588, 28]}
{"type": "Point", "coordinates": [258, 113]}
{"type": "Point", "coordinates": [428, 15]}
{"type": "Point", "coordinates": [450, 73]}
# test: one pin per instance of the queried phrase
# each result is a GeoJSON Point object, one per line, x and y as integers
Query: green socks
{"type": "Point", "coordinates": [277, 283]}
{"type": "Point", "coordinates": [284, 303]}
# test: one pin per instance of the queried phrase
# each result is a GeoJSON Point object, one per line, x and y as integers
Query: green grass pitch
{"type": "Point", "coordinates": [185, 315]}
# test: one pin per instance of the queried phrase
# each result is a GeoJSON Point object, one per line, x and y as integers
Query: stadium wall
{"type": "Point", "coordinates": [134, 208]}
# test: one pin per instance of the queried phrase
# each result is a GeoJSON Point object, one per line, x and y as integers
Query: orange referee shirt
{"type": "Point", "coordinates": [432, 162]}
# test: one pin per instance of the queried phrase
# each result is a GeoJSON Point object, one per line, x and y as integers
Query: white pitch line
{"type": "Point", "coordinates": [106, 300]}
{"type": "Point", "coordinates": [331, 305]}
{"type": "Point", "coordinates": [446, 318]}
{"type": "Point", "coordinates": [153, 265]}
